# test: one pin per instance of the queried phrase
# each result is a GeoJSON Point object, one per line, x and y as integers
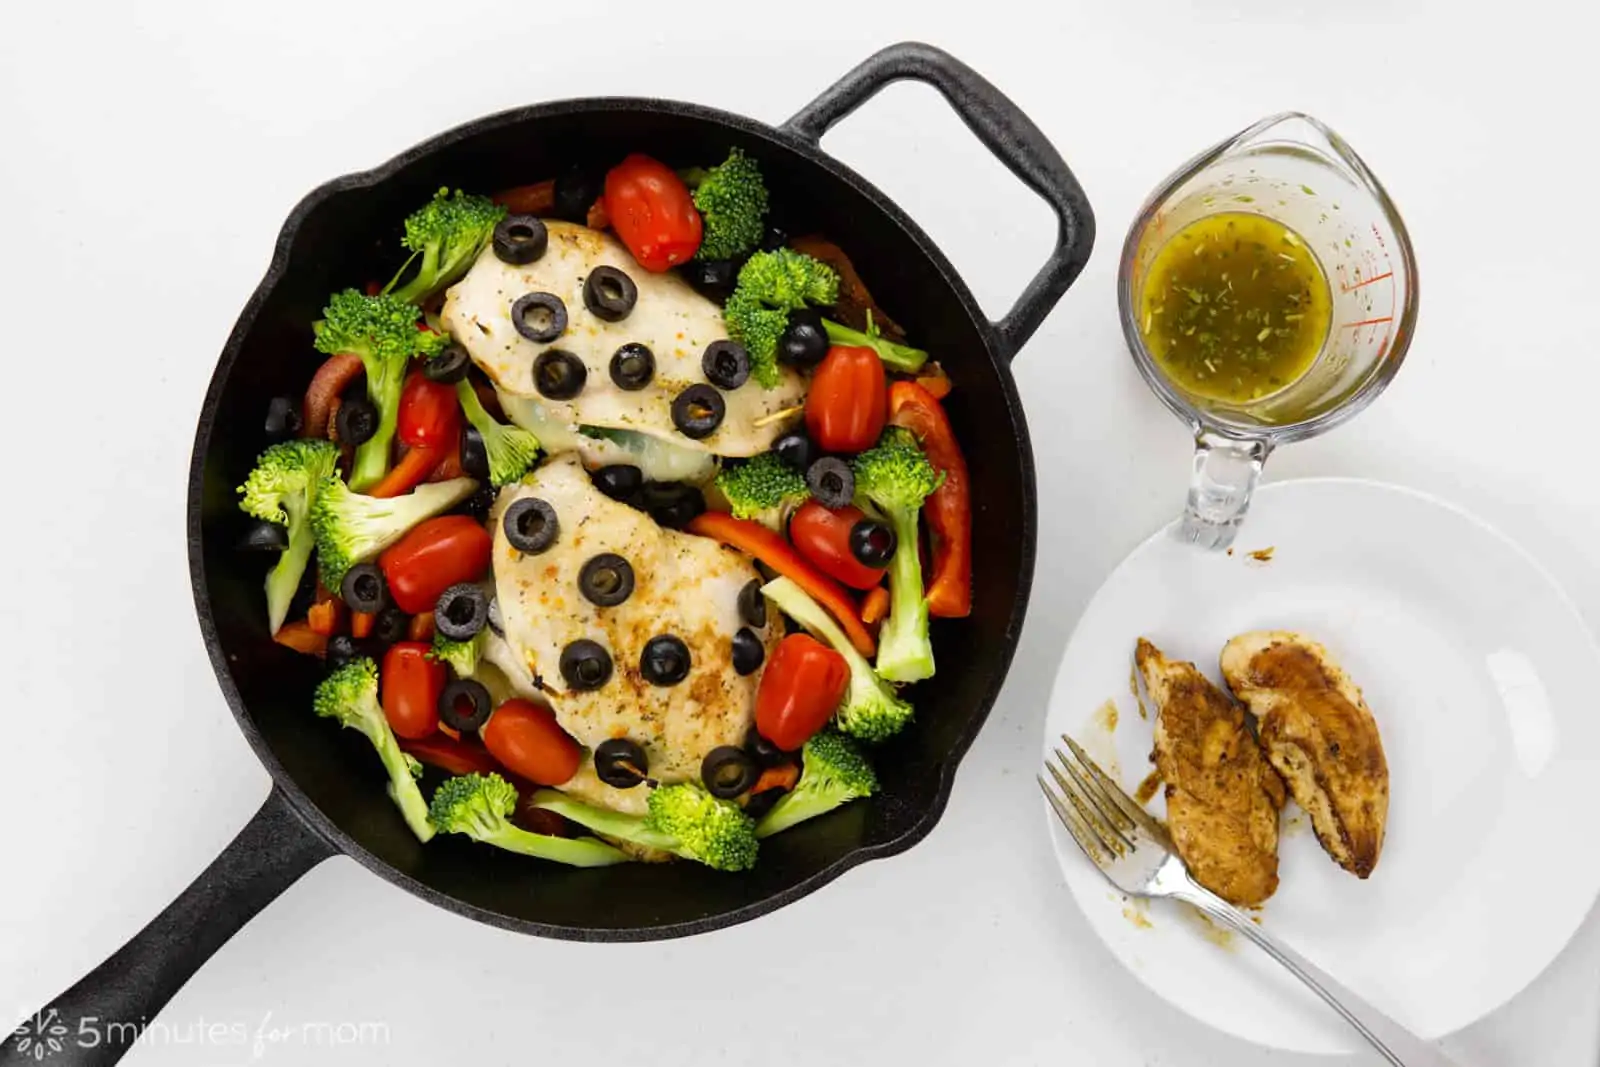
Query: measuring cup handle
{"type": "Point", "coordinates": [1226, 471]}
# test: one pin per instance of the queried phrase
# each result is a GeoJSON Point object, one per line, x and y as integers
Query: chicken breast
{"type": "Point", "coordinates": [1317, 731]}
{"type": "Point", "coordinates": [684, 586]}
{"type": "Point", "coordinates": [1222, 797]}
{"type": "Point", "coordinates": [669, 317]}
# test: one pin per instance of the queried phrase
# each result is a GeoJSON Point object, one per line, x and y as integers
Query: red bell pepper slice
{"type": "Point", "coordinates": [409, 473]}
{"type": "Point", "coordinates": [449, 754]}
{"type": "Point", "coordinates": [949, 509]}
{"type": "Point", "coordinates": [770, 548]}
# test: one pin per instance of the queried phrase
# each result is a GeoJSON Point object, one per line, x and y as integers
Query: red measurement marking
{"type": "Point", "coordinates": [1367, 281]}
{"type": "Point", "coordinates": [1366, 322]}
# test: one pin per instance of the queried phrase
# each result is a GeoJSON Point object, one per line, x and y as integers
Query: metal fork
{"type": "Point", "coordinates": [1137, 856]}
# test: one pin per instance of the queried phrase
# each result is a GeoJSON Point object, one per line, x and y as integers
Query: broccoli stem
{"type": "Point", "coordinates": [283, 580]}
{"type": "Point", "coordinates": [372, 456]}
{"type": "Point", "coordinates": [579, 852]}
{"type": "Point", "coordinates": [905, 652]}
{"type": "Point", "coordinates": [793, 808]}
{"type": "Point", "coordinates": [616, 824]}
{"type": "Point", "coordinates": [403, 788]}
{"type": "Point", "coordinates": [898, 356]}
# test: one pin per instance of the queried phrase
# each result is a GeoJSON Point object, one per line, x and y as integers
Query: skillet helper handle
{"type": "Point", "coordinates": [97, 1020]}
{"type": "Point", "coordinates": [1007, 133]}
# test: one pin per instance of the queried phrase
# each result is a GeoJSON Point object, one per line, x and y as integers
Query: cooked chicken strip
{"type": "Point", "coordinates": [1222, 798]}
{"type": "Point", "coordinates": [1319, 734]}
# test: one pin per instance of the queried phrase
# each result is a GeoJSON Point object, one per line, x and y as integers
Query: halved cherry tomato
{"type": "Point", "coordinates": [651, 210]}
{"type": "Point", "coordinates": [526, 738]}
{"type": "Point", "coordinates": [432, 557]}
{"type": "Point", "coordinates": [849, 400]}
{"type": "Point", "coordinates": [949, 510]}
{"type": "Point", "coordinates": [823, 536]}
{"type": "Point", "coordinates": [451, 754]}
{"type": "Point", "coordinates": [410, 684]}
{"type": "Point", "coordinates": [800, 690]}
{"type": "Point", "coordinates": [430, 416]}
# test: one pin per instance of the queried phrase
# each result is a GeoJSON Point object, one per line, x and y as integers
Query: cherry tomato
{"type": "Point", "coordinates": [800, 690]}
{"type": "Point", "coordinates": [525, 737]}
{"type": "Point", "coordinates": [849, 400]}
{"type": "Point", "coordinates": [430, 416]}
{"type": "Point", "coordinates": [451, 754]}
{"type": "Point", "coordinates": [822, 535]}
{"type": "Point", "coordinates": [411, 683]}
{"type": "Point", "coordinates": [651, 210]}
{"type": "Point", "coordinates": [432, 557]}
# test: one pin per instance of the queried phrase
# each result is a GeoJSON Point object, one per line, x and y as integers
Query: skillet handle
{"type": "Point", "coordinates": [98, 1019]}
{"type": "Point", "coordinates": [1006, 132]}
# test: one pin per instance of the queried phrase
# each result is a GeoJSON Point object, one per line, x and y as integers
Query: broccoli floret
{"type": "Point", "coordinates": [462, 656]}
{"type": "Point", "coordinates": [900, 357]}
{"type": "Point", "coordinates": [763, 489]}
{"type": "Point", "coordinates": [833, 772]}
{"type": "Point", "coordinates": [772, 284]}
{"type": "Point", "coordinates": [732, 198]}
{"type": "Point", "coordinates": [350, 696]}
{"type": "Point", "coordinates": [352, 528]}
{"type": "Point", "coordinates": [480, 806]}
{"type": "Point", "coordinates": [759, 328]}
{"type": "Point", "coordinates": [511, 449]}
{"type": "Point", "coordinates": [383, 331]}
{"type": "Point", "coordinates": [870, 711]}
{"type": "Point", "coordinates": [447, 233]}
{"type": "Point", "coordinates": [282, 489]}
{"type": "Point", "coordinates": [684, 820]}
{"type": "Point", "coordinates": [897, 477]}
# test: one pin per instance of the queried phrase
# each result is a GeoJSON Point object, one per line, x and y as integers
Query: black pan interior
{"type": "Point", "coordinates": [346, 233]}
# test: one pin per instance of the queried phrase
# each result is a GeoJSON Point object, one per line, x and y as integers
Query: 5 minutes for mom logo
{"type": "Point", "coordinates": [41, 1036]}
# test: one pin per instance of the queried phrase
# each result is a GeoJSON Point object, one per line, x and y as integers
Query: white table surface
{"type": "Point", "coordinates": [151, 154]}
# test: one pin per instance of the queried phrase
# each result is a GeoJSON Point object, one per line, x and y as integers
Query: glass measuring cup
{"type": "Point", "coordinates": [1297, 172]}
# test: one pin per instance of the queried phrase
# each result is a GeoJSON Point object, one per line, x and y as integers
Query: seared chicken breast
{"type": "Point", "coordinates": [1222, 797]}
{"type": "Point", "coordinates": [684, 587]}
{"type": "Point", "coordinates": [668, 317]}
{"type": "Point", "coordinates": [1317, 731]}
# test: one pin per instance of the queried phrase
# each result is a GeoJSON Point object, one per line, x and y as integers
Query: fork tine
{"type": "Point", "coordinates": [1095, 791]}
{"type": "Point", "coordinates": [1109, 836]}
{"type": "Point", "coordinates": [1107, 817]}
{"type": "Point", "coordinates": [1112, 791]}
{"type": "Point", "coordinates": [1087, 843]}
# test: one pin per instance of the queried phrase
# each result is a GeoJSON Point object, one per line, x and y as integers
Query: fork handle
{"type": "Point", "coordinates": [1398, 1045]}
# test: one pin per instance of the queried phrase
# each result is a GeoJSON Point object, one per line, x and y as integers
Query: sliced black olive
{"type": "Point", "coordinates": [576, 189]}
{"type": "Point", "coordinates": [364, 589]}
{"type": "Point", "coordinates": [609, 293]}
{"type": "Point", "coordinates": [474, 455]}
{"type": "Point", "coordinates": [283, 419]}
{"type": "Point", "coordinates": [520, 239]}
{"type": "Point", "coordinates": [698, 411]}
{"type": "Point", "coordinates": [752, 605]}
{"type": "Point", "coordinates": [804, 341]}
{"type": "Point", "coordinates": [585, 664]}
{"type": "Point", "coordinates": [873, 542]}
{"type": "Point", "coordinates": [391, 625]}
{"type": "Point", "coordinates": [531, 525]}
{"type": "Point", "coordinates": [763, 751]}
{"type": "Point", "coordinates": [558, 374]}
{"type": "Point", "coordinates": [461, 611]}
{"type": "Point", "coordinates": [714, 279]}
{"type": "Point", "coordinates": [796, 449]}
{"type": "Point", "coordinates": [671, 504]}
{"type": "Point", "coordinates": [748, 651]}
{"type": "Point", "coordinates": [831, 482]}
{"type": "Point", "coordinates": [342, 650]}
{"type": "Point", "coordinates": [619, 481]}
{"type": "Point", "coordinates": [480, 503]}
{"type": "Point", "coordinates": [606, 580]}
{"type": "Point", "coordinates": [449, 366]}
{"type": "Point", "coordinates": [465, 704]}
{"type": "Point", "coordinates": [776, 237]}
{"type": "Point", "coordinates": [728, 772]}
{"type": "Point", "coordinates": [621, 763]}
{"type": "Point", "coordinates": [539, 317]}
{"type": "Point", "coordinates": [263, 536]}
{"type": "Point", "coordinates": [496, 623]}
{"type": "Point", "coordinates": [665, 660]}
{"type": "Point", "coordinates": [633, 366]}
{"type": "Point", "coordinates": [356, 422]}
{"type": "Point", "coordinates": [726, 364]}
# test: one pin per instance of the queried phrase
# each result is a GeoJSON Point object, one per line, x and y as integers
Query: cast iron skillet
{"type": "Point", "coordinates": [328, 794]}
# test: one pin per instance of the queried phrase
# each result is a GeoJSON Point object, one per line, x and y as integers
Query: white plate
{"type": "Point", "coordinates": [1482, 677]}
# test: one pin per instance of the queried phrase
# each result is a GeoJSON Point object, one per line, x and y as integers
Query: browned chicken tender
{"type": "Point", "coordinates": [1222, 797]}
{"type": "Point", "coordinates": [1319, 734]}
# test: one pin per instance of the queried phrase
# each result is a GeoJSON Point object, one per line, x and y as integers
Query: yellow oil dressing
{"type": "Point", "coordinates": [1235, 307]}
